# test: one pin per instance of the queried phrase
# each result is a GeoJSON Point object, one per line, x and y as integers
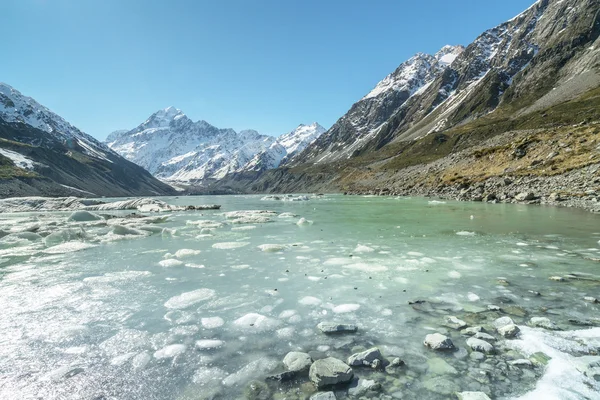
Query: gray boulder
{"type": "Point", "coordinates": [437, 341]}
{"type": "Point", "coordinates": [330, 371]}
{"type": "Point", "coordinates": [330, 327]}
{"type": "Point", "coordinates": [297, 361]}
{"type": "Point", "coordinates": [509, 331]}
{"type": "Point", "coordinates": [454, 323]}
{"type": "Point", "coordinates": [480, 345]}
{"type": "Point", "coordinates": [366, 357]}
{"type": "Point", "coordinates": [362, 387]}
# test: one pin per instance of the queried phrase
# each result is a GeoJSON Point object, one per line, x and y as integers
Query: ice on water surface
{"type": "Point", "coordinates": [183, 304]}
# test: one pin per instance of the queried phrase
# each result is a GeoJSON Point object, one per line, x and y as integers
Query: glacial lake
{"type": "Point", "coordinates": [193, 305]}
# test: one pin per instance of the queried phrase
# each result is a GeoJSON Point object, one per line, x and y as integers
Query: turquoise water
{"type": "Point", "coordinates": [106, 315]}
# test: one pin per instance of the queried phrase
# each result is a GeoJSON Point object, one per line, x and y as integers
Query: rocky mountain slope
{"type": "Point", "coordinates": [174, 148]}
{"type": "Point", "coordinates": [528, 79]}
{"type": "Point", "coordinates": [42, 154]}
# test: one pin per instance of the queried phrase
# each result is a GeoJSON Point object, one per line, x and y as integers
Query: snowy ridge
{"type": "Point", "coordinates": [416, 72]}
{"type": "Point", "coordinates": [17, 108]}
{"type": "Point", "coordinates": [174, 148]}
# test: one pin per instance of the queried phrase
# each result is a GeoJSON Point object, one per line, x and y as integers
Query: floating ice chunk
{"type": "Point", "coordinates": [206, 376]}
{"type": "Point", "coordinates": [124, 341]}
{"type": "Point", "coordinates": [171, 262]}
{"type": "Point", "coordinates": [122, 359]}
{"type": "Point", "coordinates": [286, 314]}
{"type": "Point", "coordinates": [313, 278]}
{"type": "Point", "coordinates": [170, 351]}
{"type": "Point", "coordinates": [272, 248]}
{"type": "Point", "coordinates": [212, 322]}
{"type": "Point", "coordinates": [287, 215]}
{"type": "Point", "coordinates": [241, 266]}
{"type": "Point", "coordinates": [204, 223]}
{"type": "Point", "coordinates": [256, 323]}
{"type": "Point", "coordinates": [303, 222]}
{"type": "Point", "coordinates": [340, 261]}
{"type": "Point", "coordinates": [255, 369]}
{"type": "Point", "coordinates": [522, 244]}
{"type": "Point", "coordinates": [182, 253]}
{"type": "Point", "coordinates": [68, 247]}
{"type": "Point", "coordinates": [229, 245]}
{"type": "Point", "coordinates": [117, 276]}
{"type": "Point", "coordinates": [84, 216]}
{"type": "Point", "coordinates": [309, 301]}
{"type": "Point", "coordinates": [140, 360]}
{"type": "Point", "coordinates": [465, 233]}
{"type": "Point", "coordinates": [191, 265]}
{"type": "Point", "coordinates": [454, 274]}
{"type": "Point", "coordinates": [63, 372]}
{"type": "Point", "coordinates": [415, 254]}
{"type": "Point", "coordinates": [472, 297]}
{"type": "Point", "coordinates": [187, 299]}
{"type": "Point", "coordinates": [64, 235]}
{"type": "Point", "coordinates": [243, 228]}
{"type": "Point", "coordinates": [563, 376]}
{"type": "Point", "coordinates": [345, 308]}
{"type": "Point", "coordinates": [363, 249]}
{"type": "Point", "coordinates": [285, 333]}
{"type": "Point", "coordinates": [209, 344]}
{"type": "Point", "coordinates": [124, 230]}
{"type": "Point", "coordinates": [366, 267]}
{"type": "Point", "coordinates": [435, 202]}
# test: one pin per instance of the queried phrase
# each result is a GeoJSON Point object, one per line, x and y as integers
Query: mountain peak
{"type": "Point", "coordinates": [447, 54]}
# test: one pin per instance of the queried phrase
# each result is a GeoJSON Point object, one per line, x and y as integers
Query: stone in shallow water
{"type": "Point", "coordinates": [454, 323]}
{"type": "Point", "coordinates": [472, 396]}
{"type": "Point", "coordinates": [323, 396]}
{"type": "Point", "coordinates": [437, 341]}
{"type": "Point", "coordinates": [330, 371]}
{"type": "Point", "coordinates": [437, 366]}
{"type": "Point", "coordinates": [366, 357]}
{"type": "Point", "coordinates": [441, 385]}
{"type": "Point", "coordinates": [297, 361]}
{"type": "Point", "coordinates": [480, 345]}
{"type": "Point", "coordinates": [522, 362]}
{"type": "Point", "coordinates": [362, 387]}
{"type": "Point", "coordinates": [509, 331]}
{"type": "Point", "coordinates": [485, 336]}
{"type": "Point", "coordinates": [543, 322]}
{"type": "Point", "coordinates": [471, 331]}
{"type": "Point", "coordinates": [330, 327]}
{"type": "Point", "coordinates": [503, 321]}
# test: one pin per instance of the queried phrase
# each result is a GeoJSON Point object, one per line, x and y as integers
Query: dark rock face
{"type": "Point", "coordinates": [513, 64]}
{"type": "Point", "coordinates": [64, 169]}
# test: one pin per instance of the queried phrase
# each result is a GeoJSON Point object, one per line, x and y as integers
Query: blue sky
{"type": "Point", "coordinates": [267, 65]}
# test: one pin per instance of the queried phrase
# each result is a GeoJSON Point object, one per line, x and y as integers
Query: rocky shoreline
{"type": "Point", "coordinates": [473, 354]}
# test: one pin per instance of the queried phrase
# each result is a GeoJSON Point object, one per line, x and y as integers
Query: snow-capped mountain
{"type": "Point", "coordinates": [366, 116]}
{"type": "Point", "coordinates": [15, 107]}
{"type": "Point", "coordinates": [174, 148]}
{"type": "Point", "coordinates": [548, 45]}
{"type": "Point", "coordinates": [285, 148]}
{"type": "Point", "coordinates": [42, 154]}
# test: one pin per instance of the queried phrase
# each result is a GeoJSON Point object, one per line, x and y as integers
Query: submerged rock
{"type": "Point", "coordinates": [297, 361]}
{"type": "Point", "coordinates": [543, 322]}
{"type": "Point", "coordinates": [365, 358]}
{"type": "Point", "coordinates": [480, 345]}
{"type": "Point", "coordinates": [330, 327]}
{"type": "Point", "coordinates": [323, 396]}
{"type": "Point", "coordinates": [437, 341]}
{"type": "Point", "coordinates": [441, 385]}
{"type": "Point", "coordinates": [454, 323]}
{"type": "Point", "coordinates": [363, 386]}
{"type": "Point", "coordinates": [472, 396]}
{"type": "Point", "coordinates": [330, 371]}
